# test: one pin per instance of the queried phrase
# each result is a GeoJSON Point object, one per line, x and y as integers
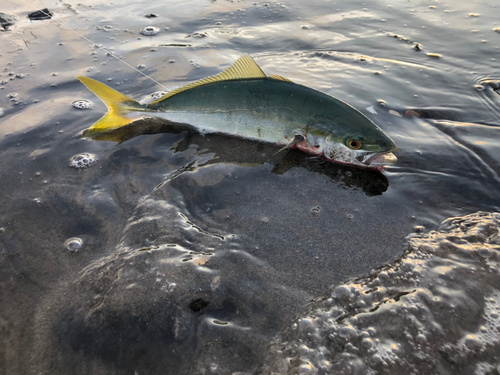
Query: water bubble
{"type": "Point", "coordinates": [150, 30]}
{"type": "Point", "coordinates": [485, 252]}
{"type": "Point", "coordinates": [73, 244]}
{"type": "Point", "coordinates": [199, 35]}
{"type": "Point", "coordinates": [82, 161]}
{"type": "Point", "coordinates": [366, 342]}
{"type": "Point", "coordinates": [347, 332]}
{"type": "Point", "coordinates": [362, 59]}
{"type": "Point", "coordinates": [473, 342]}
{"type": "Point", "coordinates": [315, 210]}
{"type": "Point", "coordinates": [421, 339]}
{"type": "Point", "coordinates": [141, 66]}
{"type": "Point", "coordinates": [82, 104]}
{"type": "Point", "coordinates": [306, 325]}
{"type": "Point", "coordinates": [342, 292]}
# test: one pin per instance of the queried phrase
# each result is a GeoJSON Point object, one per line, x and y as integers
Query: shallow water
{"type": "Point", "coordinates": [195, 252]}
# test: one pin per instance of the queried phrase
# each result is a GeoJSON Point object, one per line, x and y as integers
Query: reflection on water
{"type": "Point", "coordinates": [230, 150]}
{"type": "Point", "coordinates": [177, 253]}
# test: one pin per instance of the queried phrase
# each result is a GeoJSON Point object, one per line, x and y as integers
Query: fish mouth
{"type": "Point", "coordinates": [381, 159]}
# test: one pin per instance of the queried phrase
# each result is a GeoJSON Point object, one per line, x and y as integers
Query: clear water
{"type": "Point", "coordinates": [189, 254]}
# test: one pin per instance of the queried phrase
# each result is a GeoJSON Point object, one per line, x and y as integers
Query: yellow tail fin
{"type": "Point", "coordinates": [119, 106]}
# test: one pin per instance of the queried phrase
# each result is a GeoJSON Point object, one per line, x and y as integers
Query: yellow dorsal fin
{"type": "Point", "coordinates": [243, 68]}
{"type": "Point", "coordinates": [279, 78]}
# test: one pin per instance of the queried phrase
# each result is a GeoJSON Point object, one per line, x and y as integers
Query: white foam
{"type": "Point", "coordinates": [436, 310]}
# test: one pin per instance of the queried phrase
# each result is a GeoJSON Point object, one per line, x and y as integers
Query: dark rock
{"type": "Point", "coordinates": [42, 14]}
{"type": "Point", "coordinates": [198, 304]}
{"type": "Point", "coordinates": [7, 20]}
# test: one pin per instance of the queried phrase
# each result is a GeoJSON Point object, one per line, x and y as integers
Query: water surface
{"type": "Point", "coordinates": [197, 250]}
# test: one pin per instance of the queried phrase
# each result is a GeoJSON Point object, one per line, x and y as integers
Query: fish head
{"type": "Point", "coordinates": [357, 141]}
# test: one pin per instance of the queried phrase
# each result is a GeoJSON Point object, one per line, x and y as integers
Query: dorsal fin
{"type": "Point", "coordinates": [243, 68]}
{"type": "Point", "coordinates": [279, 78]}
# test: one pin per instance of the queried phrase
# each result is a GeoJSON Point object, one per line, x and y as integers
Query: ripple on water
{"type": "Point", "coordinates": [437, 306]}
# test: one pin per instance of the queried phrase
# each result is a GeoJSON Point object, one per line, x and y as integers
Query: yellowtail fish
{"type": "Point", "coordinates": [243, 102]}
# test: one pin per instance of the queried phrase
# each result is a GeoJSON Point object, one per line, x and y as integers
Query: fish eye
{"type": "Point", "coordinates": [353, 143]}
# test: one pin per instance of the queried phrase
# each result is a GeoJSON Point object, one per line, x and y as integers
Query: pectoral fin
{"type": "Point", "coordinates": [297, 139]}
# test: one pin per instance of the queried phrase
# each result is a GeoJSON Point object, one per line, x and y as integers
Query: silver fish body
{"type": "Point", "coordinates": [269, 109]}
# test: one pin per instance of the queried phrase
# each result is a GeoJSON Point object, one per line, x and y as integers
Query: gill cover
{"type": "Point", "coordinates": [119, 106]}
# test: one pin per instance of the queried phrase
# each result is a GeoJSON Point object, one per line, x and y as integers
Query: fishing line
{"type": "Point", "coordinates": [95, 44]}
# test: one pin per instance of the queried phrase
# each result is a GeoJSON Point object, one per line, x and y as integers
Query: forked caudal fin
{"type": "Point", "coordinates": [119, 106]}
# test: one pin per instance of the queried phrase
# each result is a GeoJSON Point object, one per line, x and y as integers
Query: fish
{"type": "Point", "coordinates": [242, 101]}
